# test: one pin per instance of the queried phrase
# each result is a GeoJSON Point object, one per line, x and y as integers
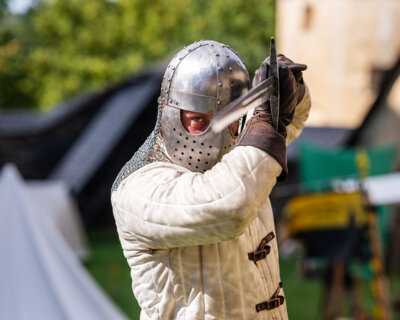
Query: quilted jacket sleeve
{"type": "Point", "coordinates": [300, 116]}
{"type": "Point", "coordinates": [163, 205]}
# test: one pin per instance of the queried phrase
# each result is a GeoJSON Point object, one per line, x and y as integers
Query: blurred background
{"type": "Point", "coordinates": [79, 82]}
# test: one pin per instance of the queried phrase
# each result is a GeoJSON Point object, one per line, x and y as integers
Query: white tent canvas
{"type": "Point", "coordinates": [384, 189]}
{"type": "Point", "coordinates": [54, 203]}
{"type": "Point", "coordinates": [40, 275]}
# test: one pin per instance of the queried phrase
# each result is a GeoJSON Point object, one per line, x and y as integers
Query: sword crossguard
{"type": "Point", "coordinates": [273, 72]}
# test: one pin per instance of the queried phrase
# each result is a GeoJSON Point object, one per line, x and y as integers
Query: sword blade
{"type": "Point", "coordinates": [239, 107]}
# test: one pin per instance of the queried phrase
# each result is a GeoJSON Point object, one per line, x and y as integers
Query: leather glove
{"type": "Point", "coordinates": [291, 86]}
{"type": "Point", "coordinates": [259, 131]}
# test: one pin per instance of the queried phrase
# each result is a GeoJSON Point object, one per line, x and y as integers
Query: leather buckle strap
{"type": "Point", "coordinates": [274, 302]}
{"type": "Point", "coordinates": [270, 304]}
{"type": "Point", "coordinates": [262, 250]}
{"type": "Point", "coordinates": [259, 255]}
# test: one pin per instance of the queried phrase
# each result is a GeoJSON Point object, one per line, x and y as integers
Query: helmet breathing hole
{"type": "Point", "coordinates": [200, 152]}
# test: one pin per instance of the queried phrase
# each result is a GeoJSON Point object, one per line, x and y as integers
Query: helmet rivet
{"type": "Point", "coordinates": [217, 54]}
{"type": "Point", "coordinates": [220, 84]}
{"type": "Point", "coordinates": [218, 102]}
{"type": "Point", "coordinates": [170, 101]}
{"type": "Point", "coordinates": [219, 68]}
{"type": "Point", "coordinates": [230, 68]}
{"type": "Point", "coordinates": [166, 91]}
{"type": "Point", "coordinates": [190, 50]}
{"type": "Point", "coordinates": [162, 89]}
{"type": "Point", "coordinates": [212, 44]}
{"type": "Point", "coordinates": [227, 55]}
{"type": "Point", "coordinates": [180, 58]}
{"type": "Point", "coordinates": [173, 68]}
{"type": "Point", "coordinates": [176, 102]}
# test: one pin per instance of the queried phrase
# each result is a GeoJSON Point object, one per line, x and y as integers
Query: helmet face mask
{"type": "Point", "coordinates": [203, 78]}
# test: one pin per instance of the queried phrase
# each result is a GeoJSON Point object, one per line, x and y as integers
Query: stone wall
{"type": "Point", "coordinates": [347, 44]}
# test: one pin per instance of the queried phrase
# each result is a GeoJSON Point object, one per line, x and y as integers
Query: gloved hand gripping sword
{"type": "Point", "coordinates": [267, 89]}
{"type": "Point", "coordinates": [277, 88]}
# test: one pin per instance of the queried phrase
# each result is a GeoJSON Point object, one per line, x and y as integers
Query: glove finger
{"type": "Point", "coordinates": [288, 90]}
{"type": "Point", "coordinates": [297, 67]}
{"type": "Point", "coordinates": [264, 69]}
{"type": "Point", "coordinates": [299, 77]}
{"type": "Point", "coordinates": [256, 78]}
{"type": "Point", "coordinates": [261, 73]}
{"type": "Point", "coordinates": [282, 58]}
{"type": "Point", "coordinates": [294, 67]}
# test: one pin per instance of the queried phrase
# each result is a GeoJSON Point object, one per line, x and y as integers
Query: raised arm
{"type": "Point", "coordinates": [164, 205]}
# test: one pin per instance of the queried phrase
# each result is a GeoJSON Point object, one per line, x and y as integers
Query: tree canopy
{"type": "Point", "coordinates": [60, 48]}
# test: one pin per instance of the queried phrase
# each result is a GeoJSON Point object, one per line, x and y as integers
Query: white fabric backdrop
{"type": "Point", "coordinates": [40, 275]}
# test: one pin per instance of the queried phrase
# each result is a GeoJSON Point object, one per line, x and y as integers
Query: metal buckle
{"type": "Point", "coordinates": [273, 303]}
{"type": "Point", "coordinates": [259, 255]}
{"type": "Point", "coordinates": [262, 250]}
{"type": "Point", "coordinates": [270, 304]}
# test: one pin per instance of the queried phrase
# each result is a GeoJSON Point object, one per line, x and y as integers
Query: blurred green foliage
{"type": "Point", "coordinates": [61, 48]}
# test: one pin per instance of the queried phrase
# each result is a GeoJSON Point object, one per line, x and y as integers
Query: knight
{"type": "Point", "coordinates": [192, 206]}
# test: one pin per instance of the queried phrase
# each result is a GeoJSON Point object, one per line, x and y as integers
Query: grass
{"type": "Point", "coordinates": [109, 268]}
{"type": "Point", "coordinates": [302, 296]}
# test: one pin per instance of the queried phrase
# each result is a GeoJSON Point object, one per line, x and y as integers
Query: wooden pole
{"type": "Point", "coordinates": [379, 285]}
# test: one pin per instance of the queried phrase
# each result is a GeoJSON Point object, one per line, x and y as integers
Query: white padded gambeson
{"type": "Point", "coordinates": [187, 235]}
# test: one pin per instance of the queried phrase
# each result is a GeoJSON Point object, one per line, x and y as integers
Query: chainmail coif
{"type": "Point", "coordinates": [152, 150]}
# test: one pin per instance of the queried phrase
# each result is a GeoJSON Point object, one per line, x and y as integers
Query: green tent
{"type": "Point", "coordinates": [319, 166]}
